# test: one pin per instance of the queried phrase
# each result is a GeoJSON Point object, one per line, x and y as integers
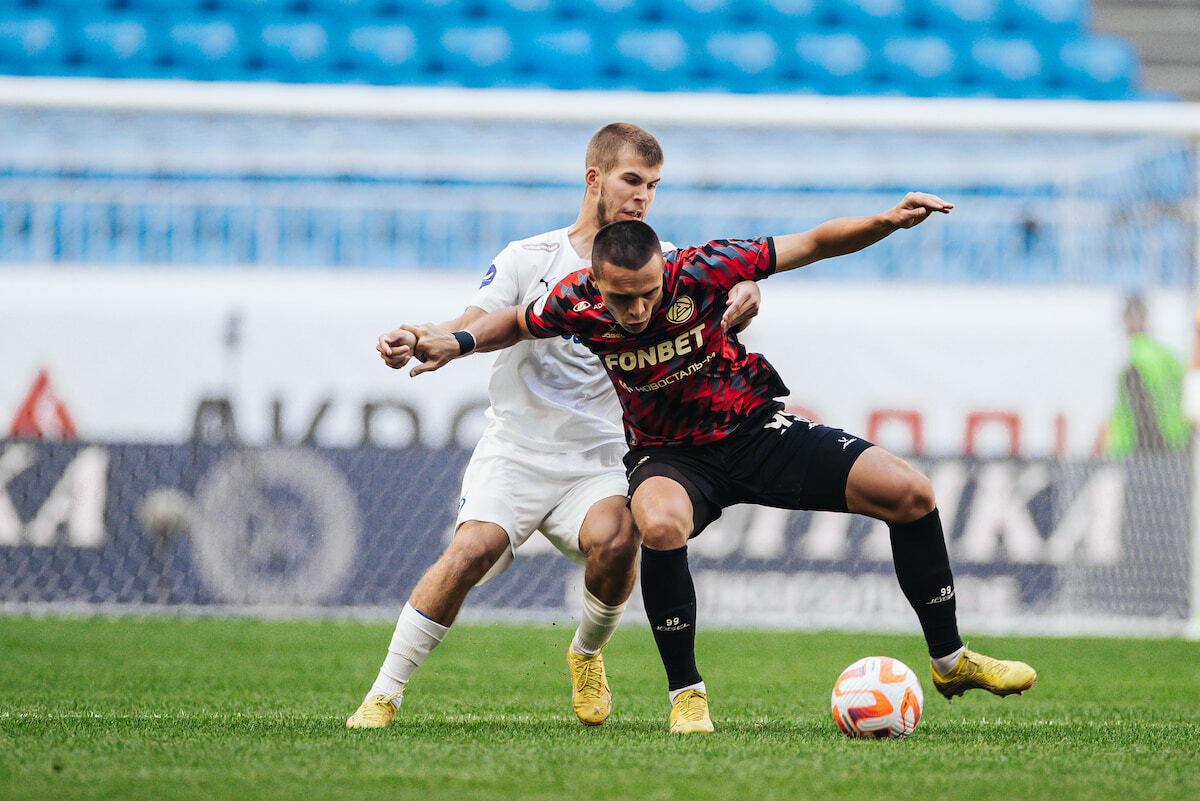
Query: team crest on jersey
{"type": "Point", "coordinates": [681, 310]}
{"type": "Point", "coordinates": [549, 247]}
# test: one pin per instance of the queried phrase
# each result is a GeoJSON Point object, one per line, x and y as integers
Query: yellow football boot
{"type": "Point", "coordinates": [974, 670]}
{"type": "Point", "coordinates": [590, 695]}
{"type": "Point", "coordinates": [374, 713]}
{"type": "Point", "coordinates": [689, 713]}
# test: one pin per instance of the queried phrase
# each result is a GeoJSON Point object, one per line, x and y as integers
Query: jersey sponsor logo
{"type": "Point", "coordinates": [656, 354]}
{"type": "Point", "coordinates": [489, 276]}
{"type": "Point", "coordinates": [582, 306]}
{"type": "Point", "coordinates": [681, 310]}
{"type": "Point", "coordinates": [678, 375]}
{"type": "Point", "coordinates": [548, 247]}
{"type": "Point", "coordinates": [612, 333]}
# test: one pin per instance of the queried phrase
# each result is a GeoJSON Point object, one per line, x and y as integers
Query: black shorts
{"type": "Point", "coordinates": [773, 459]}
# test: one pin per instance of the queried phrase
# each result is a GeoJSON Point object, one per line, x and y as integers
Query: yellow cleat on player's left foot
{"type": "Point", "coordinates": [976, 671]}
{"type": "Point", "coordinates": [689, 713]}
{"type": "Point", "coordinates": [590, 695]}
{"type": "Point", "coordinates": [373, 713]}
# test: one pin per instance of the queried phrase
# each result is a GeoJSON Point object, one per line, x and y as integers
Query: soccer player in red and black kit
{"type": "Point", "coordinates": [706, 429]}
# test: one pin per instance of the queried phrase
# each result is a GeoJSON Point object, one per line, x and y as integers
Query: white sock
{"type": "Point", "coordinates": [415, 636]}
{"type": "Point", "coordinates": [697, 686]}
{"type": "Point", "coordinates": [596, 625]}
{"type": "Point", "coordinates": [944, 664]}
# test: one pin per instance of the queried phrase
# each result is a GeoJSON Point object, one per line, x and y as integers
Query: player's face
{"type": "Point", "coordinates": [631, 296]}
{"type": "Point", "coordinates": [626, 191]}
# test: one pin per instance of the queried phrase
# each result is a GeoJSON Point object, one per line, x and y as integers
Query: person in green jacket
{"type": "Point", "coordinates": [1149, 415]}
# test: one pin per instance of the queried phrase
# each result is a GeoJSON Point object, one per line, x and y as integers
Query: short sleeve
{"type": "Point", "coordinates": [502, 284]}
{"type": "Point", "coordinates": [723, 263]}
{"type": "Point", "coordinates": [558, 312]}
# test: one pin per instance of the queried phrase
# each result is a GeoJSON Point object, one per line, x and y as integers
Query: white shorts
{"type": "Point", "coordinates": [523, 490]}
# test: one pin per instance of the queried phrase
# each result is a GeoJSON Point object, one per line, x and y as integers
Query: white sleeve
{"type": "Point", "coordinates": [503, 284]}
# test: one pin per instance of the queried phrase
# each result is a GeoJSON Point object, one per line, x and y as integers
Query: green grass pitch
{"type": "Point", "coordinates": [168, 708]}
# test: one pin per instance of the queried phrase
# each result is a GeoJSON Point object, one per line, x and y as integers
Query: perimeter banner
{"type": "Point", "coordinates": [1036, 545]}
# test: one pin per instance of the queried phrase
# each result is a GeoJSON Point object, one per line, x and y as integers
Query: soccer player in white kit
{"type": "Point", "coordinates": [550, 457]}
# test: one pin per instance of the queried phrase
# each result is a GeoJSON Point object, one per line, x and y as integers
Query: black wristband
{"type": "Point", "coordinates": [466, 341]}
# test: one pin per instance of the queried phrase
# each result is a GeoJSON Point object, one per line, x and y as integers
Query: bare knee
{"type": "Point", "coordinates": [616, 547]}
{"type": "Point", "coordinates": [916, 498]}
{"type": "Point", "coordinates": [473, 551]}
{"type": "Point", "coordinates": [665, 533]}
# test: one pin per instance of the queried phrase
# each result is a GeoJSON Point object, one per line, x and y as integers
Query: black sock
{"type": "Point", "coordinates": [923, 569]}
{"type": "Point", "coordinates": [670, 600]}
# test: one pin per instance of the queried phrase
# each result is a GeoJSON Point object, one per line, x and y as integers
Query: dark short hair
{"type": "Point", "coordinates": [607, 144]}
{"type": "Point", "coordinates": [625, 243]}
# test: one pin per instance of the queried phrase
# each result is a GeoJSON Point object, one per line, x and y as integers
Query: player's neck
{"type": "Point", "coordinates": [582, 232]}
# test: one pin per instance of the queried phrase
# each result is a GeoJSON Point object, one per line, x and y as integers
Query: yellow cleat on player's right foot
{"type": "Point", "coordinates": [689, 713]}
{"type": "Point", "coordinates": [373, 713]}
{"type": "Point", "coordinates": [590, 695]}
{"type": "Point", "coordinates": [976, 671]}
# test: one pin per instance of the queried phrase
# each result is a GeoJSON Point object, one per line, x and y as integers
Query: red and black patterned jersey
{"type": "Point", "coordinates": [683, 380]}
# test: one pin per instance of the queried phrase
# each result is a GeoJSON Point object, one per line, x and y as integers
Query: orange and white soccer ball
{"type": "Point", "coordinates": [877, 697]}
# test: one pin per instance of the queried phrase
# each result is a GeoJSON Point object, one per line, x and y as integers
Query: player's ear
{"type": "Point", "coordinates": [591, 177]}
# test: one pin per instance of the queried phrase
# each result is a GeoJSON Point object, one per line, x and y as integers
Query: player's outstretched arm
{"type": "Point", "coordinates": [395, 346]}
{"type": "Point", "coordinates": [850, 234]}
{"type": "Point", "coordinates": [436, 347]}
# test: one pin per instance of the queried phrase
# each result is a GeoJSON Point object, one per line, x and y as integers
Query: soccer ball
{"type": "Point", "coordinates": [877, 697]}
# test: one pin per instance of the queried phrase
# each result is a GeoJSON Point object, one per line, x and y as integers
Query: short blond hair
{"type": "Point", "coordinates": [607, 144]}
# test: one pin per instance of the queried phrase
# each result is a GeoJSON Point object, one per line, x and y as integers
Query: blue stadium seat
{"type": "Point", "coordinates": [254, 7]}
{"type": "Point", "coordinates": [1053, 17]}
{"type": "Point", "coordinates": [564, 56]}
{"type": "Point", "coordinates": [743, 60]}
{"type": "Point", "coordinates": [519, 12]}
{"type": "Point", "coordinates": [390, 53]}
{"type": "Point", "coordinates": [205, 48]}
{"type": "Point", "coordinates": [655, 59]}
{"type": "Point", "coordinates": [119, 46]}
{"type": "Point", "coordinates": [31, 44]}
{"type": "Point", "coordinates": [352, 12]}
{"type": "Point", "coordinates": [476, 55]}
{"type": "Point", "coordinates": [872, 17]}
{"type": "Point", "coordinates": [294, 49]}
{"type": "Point", "coordinates": [612, 15]}
{"type": "Point", "coordinates": [1007, 67]}
{"type": "Point", "coordinates": [787, 16]}
{"type": "Point", "coordinates": [695, 16]}
{"type": "Point", "coordinates": [1098, 67]}
{"type": "Point", "coordinates": [962, 17]}
{"type": "Point", "coordinates": [832, 62]}
{"type": "Point", "coordinates": [923, 65]}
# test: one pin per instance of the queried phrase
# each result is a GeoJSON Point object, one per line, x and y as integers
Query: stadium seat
{"type": "Point", "coordinates": [655, 59]}
{"type": "Point", "coordinates": [476, 55]}
{"type": "Point", "coordinates": [31, 44]}
{"type": "Point", "coordinates": [294, 49]}
{"type": "Point", "coordinates": [921, 65]}
{"type": "Point", "coordinates": [743, 60]}
{"type": "Point", "coordinates": [517, 12]}
{"type": "Point", "coordinates": [390, 53]}
{"type": "Point", "coordinates": [1058, 18]}
{"type": "Point", "coordinates": [833, 62]}
{"type": "Point", "coordinates": [205, 48]}
{"type": "Point", "coordinates": [694, 16]}
{"type": "Point", "coordinates": [962, 18]}
{"type": "Point", "coordinates": [564, 56]}
{"type": "Point", "coordinates": [119, 46]}
{"type": "Point", "coordinates": [351, 12]}
{"type": "Point", "coordinates": [787, 16]}
{"type": "Point", "coordinates": [253, 7]}
{"type": "Point", "coordinates": [610, 15]}
{"type": "Point", "coordinates": [1098, 67]}
{"type": "Point", "coordinates": [872, 17]}
{"type": "Point", "coordinates": [1007, 67]}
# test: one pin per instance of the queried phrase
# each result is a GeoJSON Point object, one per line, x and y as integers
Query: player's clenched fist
{"type": "Point", "coordinates": [435, 346]}
{"type": "Point", "coordinates": [396, 347]}
{"type": "Point", "coordinates": [916, 206]}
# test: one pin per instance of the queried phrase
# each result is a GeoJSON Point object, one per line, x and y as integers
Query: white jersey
{"type": "Point", "coordinates": [546, 394]}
